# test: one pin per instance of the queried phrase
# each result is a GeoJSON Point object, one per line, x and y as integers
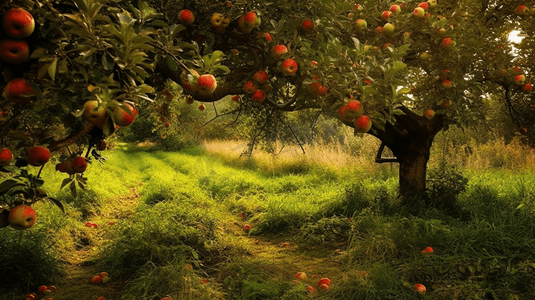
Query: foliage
{"type": "Point", "coordinates": [445, 183]}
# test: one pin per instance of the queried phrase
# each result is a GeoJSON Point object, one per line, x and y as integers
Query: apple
{"type": "Point", "coordinates": [201, 107]}
{"type": "Point", "coordinates": [301, 276]}
{"type": "Point", "coordinates": [14, 51]}
{"type": "Point", "coordinates": [427, 250]}
{"type": "Point", "coordinates": [105, 279]}
{"type": "Point", "coordinates": [42, 288]}
{"type": "Point", "coordinates": [267, 36]}
{"type": "Point", "coordinates": [432, 3]}
{"type": "Point", "coordinates": [285, 245]}
{"type": "Point", "coordinates": [277, 51]}
{"type": "Point", "coordinates": [247, 227]}
{"type": "Point", "coordinates": [252, 19]}
{"type": "Point", "coordinates": [21, 217]}
{"type": "Point", "coordinates": [65, 167]}
{"type": "Point", "coordinates": [520, 79]}
{"type": "Point", "coordinates": [217, 19]}
{"type": "Point", "coordinates": [423, 5]}
{"type": "Point", "coordinates": [429, 114]}
{"type": "Point", "coordinates": [93, 112]}
{"type": "Point", "coordinates": [354, 109]}
{"type": "Point", "coordinates": [379, 29]}
{"type": "Point", "coordinates": [190, 100]}
{"type": "Point", "coordinates": [242, 25]}
{"type": "Point", "coordinates": [308, 287]}
{"type": "Point", "coordinates": [289, 67]}
{"type": "Point", "coordinates": [18, 91]}
{"type": "Point", "coordinates": [419, 12]}
{"type": "Point", "coordinates": [111, 223]}
{"type": "Point", "coordinates": [442, 32]}
{"type": "Point", "coordinates": [167, 298]}
{"type": "Point", "coordinates": [52, 288]}
{"type": "Point", "coordinates": [30, 296]}
{"type": "Point", "coordinates": [186, 17]}
{"type": "Point", "coordinates": [261, 77]}
{"type": "Point", "coordinates": [18, 23]}
{"type": "Point", "coordinates": [79, 164]}
{"type": "Point", "coordinates": [38, 156]}
{"type": "Point", "coordinates": [363, 124]}
{"type": "Point", "coordinates": [445, 103]}
{"type": "Point", "coordinates": [235, 98]}
{"type": "Point", "coordinates": [447, 43]}
{"type": "Point", "coordinates": [258, 96]}
{"type": "Point", "coordinates": [385, 15]}
{"type": "Point", "coordinates": [101, 145]}
{"type": "Point", "coordinates": [307, 25]}
{"type": "Point", "coordinates": [249, 87]}
{"type": "Point", "coordinates": [425, 56]}
{"type": "Point", "coordinates": [322, 90]}
{"type": "Point", "coordinates": [323, 287]}
{"type": "Point", "coordinates": [206, 84]}
{"type": "Point", "coordinates": [446, 84]}
{"type": "Point", "coordinates": [524, 130]}
{"type": "Point", "coordinates": [101, 298]}
{"type": "Point", "coordinates": [420, 288]}
{"type": "Point", "coordinates": [6, 157]}
{"type": "Point", "coordinates": [526, 88]}
{"type": "Point", "coordinates": [361, 24]}
{"type": "Point", "coordinates": [395, 8]}
{"type": "Point", "coordinates": [388, 28]}
{"type": "Point", "coordinates": [96, 279]}
{"type": "Point", "coordinates": [521, 10]}
{"type": "Point", "coordinates": [122, 117]}
{"type": "Point", "coordinates": [325, 281]}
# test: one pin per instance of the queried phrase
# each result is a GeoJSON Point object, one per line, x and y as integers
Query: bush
{"type": "Point", "coordinates": [444, 184]}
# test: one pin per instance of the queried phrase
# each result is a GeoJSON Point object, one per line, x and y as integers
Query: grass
{"type": "Point", "coordinates": [338, 214]}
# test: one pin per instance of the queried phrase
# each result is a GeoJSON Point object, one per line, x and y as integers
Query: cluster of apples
{"type": "Point", "coordinates": [72, 166]}
{"type": "Point", "coordinates": [102, 277]}
{"type": "Point", "coordinates": [288, 66]}
{"type": "Point", "coordinates": [257, 86]}
{"type": "Point", "coordinates": [95, 112]}
{"type": "Point", "coordinates": [519, 79]}
{"type": "Point", "coordinates": [42, 290]}
{"type": "Point", "coordinates": [317, 88]}
{"type": "Point", "coordinates": [418, 287]}
{"type": "Point", "coordinates": [353, 111]}
{"type": "Point", "coordinates": [323, 284]}
{"type": "Point", "coordinates": [523, 10]}
{"type": "Point", "coordinates": [18, 24]}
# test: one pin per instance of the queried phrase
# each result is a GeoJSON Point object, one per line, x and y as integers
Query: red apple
{"type": "Point", "coordinates": [96, 279]}
{"type": "Point", "coordinates": [526, 88]}
{"type": "Point", "coordinates": [395, 8]}
{"type": "Point", "coordinates": [267, 36]}
{"type": "Point", "coordinates": [323, 287]}
{"type": "Point", "coordinates": [93, 112]}
{"type": "Point", "coordinates": [235, 98]}
{"type": "Point", "coordinates": [447, 43]}
{"type": "Point", "coordinates": [42, 288]}
{"type": "Point", "coordinates": [247, 227]}
{"type": "Point", "coordinates": [38, 156]}
{"type": "Point", "coordinates": [258, 96]}
{"type": "Point", "coordinates": [18, 23]}
{"type": "Point", "coordinates": [307, 25]}
{"type": "Point", "coordinates": [429, 114]}
{"type": "Point", "coordinates": [201, 107]}
{"type": "Point", "coordinates": [446, 84]}
{"type": "Point", "coordinates": [354, 109]}
{"type": "Point", "coordinates": [21, 217]}
{"type": "Point", "coordinates": [301, 275]}
{"type": "Point", "coordinates": [79, 164]}
{"type": "Point", "coordinates": [385, 15]}
{"type": "Point", "coordinates": [6, 157]}
{"type": "Point", "coordinates": [420, 288]}
{"type": "Point", "coordinates": [186, 17]}
{"type": "Point", "coordinates": [261, 77]}
{"type": "Point", "coordinates": [520, 79]}
{"type": "Point", "coordinates": [18, 91]}
{"type": "Point", "coordinates": [522, 10]}
{"type": "Point", "coordinates": [252, 19]}
{"type": "Point", "coordinates": [325, 281]}
{"type": "Point", "coordinates": [427, 250]}
{"type": "Point", "coordinates": [206, 84]}
{"type": "Point", "coordinates": [289, 67]}
{"type": "Point", "coordinates": [361, 24]}
{"type": "Point", "coordinates": [14, 51]}
{"type": "Point", "coordinates": [249, 87]}
{"type": "Point", "coordinates": [122, 117]}
{"type": "Point", "coordinates": [310, 289]}
{"type": "Point", "coordinates": [277, 51]}
{"type": "Point", "coordinates": [423, 5]}
{"type": "Point", "coordinates": [363, 124]}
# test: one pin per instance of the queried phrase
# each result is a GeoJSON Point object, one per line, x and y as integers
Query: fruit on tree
{"type": "Point", "coordinates": [429, 114]}
{"type": "Point", "coordinates": [101, 145]}
{"type": "Point", "coordinates": [206, 84]}
{"type": "Point", "coordinates": [447, 43]}
{"type": "Point", "coordinates": [420, 288]}
{"type": "Point", "coordinates": [361, 24]}
{"type": "Point", "coordinates": [65, 167]}
{"type": "Point", "coordinates": [385, 15]}
{"type": "Point", "coordinates": [6, 157]}
{"type": "Point", "coordinates": [363, 124]}
{"type": "Point", "coordinates": [38, 156]}
{"type": "Point", "coordinates": [526, 88]}
{"type": "Point", "coordinates": [18, 23]}
{"type": "Point", "coordinates": [446, 84]}
{"type": "Point", "coordinates": [251, 19]}
{"type": "Point", "coordinates": [18, 91]}
{"type": "Point", "coordinates": [388, 28]}
{"type": "Point", "coordinates": [395, 8]}
{"type": "Point", "coordinates": [122, 117]}
{"type": "Point", "coordinates": [79, 164]}
{"type": "Point", "coordinates": [21, 217]}
{"type": "Point", "coordinates": [93, 112]}
{"type": "Point", "coordinates": [258, 96]}
{"type": "Point", "coordinates": [425, 56]}
{"type": "Point", "coordinates": [419, 12]}
{"type": "Point", "coordinates": [261, 77]}
{"type": "Point", "coordinates": [277, 51]}
{"type": "Point", "coordinates": [522, 10]}
{"type": "Point", "coordinates": [520, 79]}
{"type": "Point", "coordinates": [201, 107]}
{"type": "Point", "coordinates": [289, 66]}
{"type": "Point", "coordinates": [186, 17]}
{"type": "Point", "coordinates": [354, 109]}
{"type": "Point", "coordinates": [301, 275]}
{"type": "Point", "coordinates": [432, 3]}
{"type": "Point", "coordinates": [423, 5]}
{"type": "Point", "coordinates": [307, 25]}
{"type": "Point", "coordinates": [14, 51]}
{"type": "Point", "coordinates": [217, 19]}
{"type": "Point", "coordinates": [249, 87]}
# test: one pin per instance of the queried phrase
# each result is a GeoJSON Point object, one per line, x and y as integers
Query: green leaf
{"type": "Point", "coordinates": [171, 64]}
{"type": "Point", "coordinates": [52, 68]}
{"type": "Point", "coordinates": [8, 184]}
{"type": "Point", "coordinates": [57, 203]}
{"type": "Point", "coordinates": [65, 182]}
{"type": "Point", "coordinates": [107, 61]}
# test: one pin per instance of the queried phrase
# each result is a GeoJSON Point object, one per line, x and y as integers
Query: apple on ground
{"type": "Point", "coordinates": [285, 245]}
{"type": "Point", "coordinates": [277, 51]}
{"type": "Point", "coordinates": [18, 23]}
{"type": "Point", "coordinates": [42, 288]}
{"type": "Point", "coordinates": [14, 51]}
{"type": "Point", "coordinates": [38, 156]}
{"type": "Point", "coordinates": [101, 298]}
{"type": "Point", "coordinates": [310, 289]}
{"type": "Point", "coordinates": [186, 17]}
{"type": "Point", "coordinates": [6, 157]}
{"type": "Point", "coordinates": [247, 227]}
{"type": "Point", "coordinates": [363, 124]}
{"type": "Point", "coordinates": [323, 287]}
{"type": "Point", "coordinates": [427, 250]}
{"type": "Point", "coordinates": [429, 114]}
{"type": "Point", "coordinates": [289, 66]}
{"type": "Point", "coordinates": [93, 112]}
{"type": "Point", "coordinates": [325, 281]}
{"type": "Point", "coordinates": [301, 276]}
{"type": "Point", "coordinates": [361, 24]}
{"type": "Point", "coordinates": [96, 279]}
{"type": "Point", "coordinates": [122, 117]}
{"type": "Point", "coordinates": [21, 217]}
{"type": "Point", "coordinates": [420, 288]}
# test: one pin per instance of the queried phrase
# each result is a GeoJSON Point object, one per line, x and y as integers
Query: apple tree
{"type": "Point", "coordinates": [401, 71]}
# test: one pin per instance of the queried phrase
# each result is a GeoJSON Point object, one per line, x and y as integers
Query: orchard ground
{"type": "Point", "coordinates": [174, 209]}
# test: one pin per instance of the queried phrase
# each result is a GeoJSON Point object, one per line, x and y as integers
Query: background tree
{"type": "Point", "coordinates": [416, 68]}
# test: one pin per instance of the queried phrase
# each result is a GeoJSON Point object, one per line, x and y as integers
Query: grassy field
{"type": "Point", "coordinates": [329, 214]}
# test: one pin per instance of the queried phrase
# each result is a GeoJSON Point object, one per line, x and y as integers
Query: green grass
{"type": "Point", "coordinates": [345, 225]}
